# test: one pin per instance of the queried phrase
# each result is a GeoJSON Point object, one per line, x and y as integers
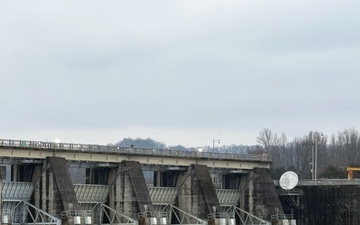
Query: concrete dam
{"type": "Point", "coordinates": [77, 184]}
{"type": "Point", "coordinates": [66, 183]}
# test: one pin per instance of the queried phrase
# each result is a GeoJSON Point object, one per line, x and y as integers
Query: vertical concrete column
{"type": "Point", "coordinates": [36, 180]}
{"type": "Point", "coordinates": [251, 192]}
{"type": "Point", "coordinates": [242, 188]}
{"type": "Point", "coordinates": [184, 190]}
{"type": "Point", "coordinates": [124, 193]}
{"type": "Point", "coordinates": [44, 187]}
{"type": "Point", "coordinates": [111, 178]}
{"type": "Point", "coordinates": [115, 188]}
{"type": "Point", "coordinates": [91, 178]}
{"type": "Point", "coordinates": [128, 201]}
{"type": "Point", "coordinates": [37, 195]}
{"type": "Point", "coordinates": [3, 172]}
{"type": "Point", "coordinates": [158, 178]}
{"type": "Point", "coordinates": [1, 205]}
{"type": "Point", "coordinates": [14, 172]}
{"type": "Point", "coordinates": [219, 181]}
{"type": "Point", "coordinates": [51, 196]}
{"type": "Point", "coordinates": [118, 191]}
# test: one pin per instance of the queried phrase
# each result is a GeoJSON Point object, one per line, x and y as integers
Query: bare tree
{"type": "Point", "coordinates": [303, 148]}
{"type": "Point", "coordinates": [340, 150]}
{"type": "Point", "coordinates": [267, 139]}
{"type": "Point", "coordinates": [274, 146]}
{"type": "Point", "coordinates": [348, 145]}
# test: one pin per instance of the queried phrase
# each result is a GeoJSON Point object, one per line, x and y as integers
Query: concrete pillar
{"type": "Point", "coordinates": [183, 185]}
{"type": "Point", "coordinates": [36, 180]}
{"type": "Point", "coordinates": [184, 190]}
{"type": "Point", "coordinates": [251, 192]}
{"type": "Point", "coordinates": [118, 191]}
{"type": "Point", "coordinates": [14, 172]}
{"type": "Point", "coordinates": [265, 199]}
{"type": "Point", "coordinates": [196, 192]}
{"type": "Point", "coordinates": [44, 187]}
{"type": "Point", "coordinates": [125, 196]}
{"type": "Point", "coordinates": [158, 178]}
{"type": "Point", "coordinates": [1, 205]}
{"type": "Point", "coordinates": [242, 188]}
{"type": "Point", "coordinates": [111, 181]}
{"type": "Point", "coordinates": [51, 195]}
{"type": "Point", "coordinates": [3, 172]}
{"type": "Point", "coordinates": [114, 180]}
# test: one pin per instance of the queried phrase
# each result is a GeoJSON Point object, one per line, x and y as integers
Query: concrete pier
{"type": "Point", "coordinates": [132, 182]}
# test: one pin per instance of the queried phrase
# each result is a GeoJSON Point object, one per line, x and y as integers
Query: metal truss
{"type": "Point", "coordinates": [178, 216]}
{"type": "Point", "coordinates": [25, 213]}
{"type": "Point", "coordinates": [109, 216]}
{"type": "Point", "coordinates": [245, 217]}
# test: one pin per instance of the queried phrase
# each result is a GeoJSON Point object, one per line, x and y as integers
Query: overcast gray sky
{"type": "Point", "coordinates": [181, 72]}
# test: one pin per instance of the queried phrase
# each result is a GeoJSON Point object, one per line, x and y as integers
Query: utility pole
{"type": "Point", "coordinates": [316, 161]}
{"type": "Point", "coordinates": [315, 137]}
{"type": "Point", "coordinates": [218, 141]}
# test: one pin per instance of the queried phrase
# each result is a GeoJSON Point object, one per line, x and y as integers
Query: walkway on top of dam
{"type": "Point", "coordinates": [115, 154]}
{"type": "Point", "coordinates": [318, 182]}
{"type": "Point", "coordinates": [324, 182]}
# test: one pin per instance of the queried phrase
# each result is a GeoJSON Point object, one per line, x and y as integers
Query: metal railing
{"type": "Point", "coordinates": [282, 217]}
{"type": "Point", "coordinates": [324, 182]}
{"type": "Point", "coordinates": [130, 150]}
{"type": "Point", "coordinates": [329, 182]}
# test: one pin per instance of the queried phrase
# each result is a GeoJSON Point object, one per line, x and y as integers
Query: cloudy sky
{"type": "Point", "coordinates": [181, 72]}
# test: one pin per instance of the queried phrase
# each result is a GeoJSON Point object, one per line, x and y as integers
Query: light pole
{"type": "Point", "coordinates": [218, 141]}
{"type": "Point", "coordinates": [315, 136]}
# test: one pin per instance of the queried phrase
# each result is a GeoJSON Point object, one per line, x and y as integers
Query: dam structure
{"type": "Point", "coordinates": [82, 184]}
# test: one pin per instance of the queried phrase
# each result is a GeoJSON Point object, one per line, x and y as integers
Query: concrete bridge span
{"type": "Point", "coordinates": [122, 185]}
{"type": "Point", "coordinates": [112, 154]}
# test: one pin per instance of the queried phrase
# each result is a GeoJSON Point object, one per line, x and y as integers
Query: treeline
{"type": "Point", "coordinates": [334, 153]}
{"type": "Point", "coordinates": [150, 143]}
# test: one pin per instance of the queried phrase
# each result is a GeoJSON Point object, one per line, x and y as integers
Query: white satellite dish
{"type": "Point", "coordinates": [288, 180]}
